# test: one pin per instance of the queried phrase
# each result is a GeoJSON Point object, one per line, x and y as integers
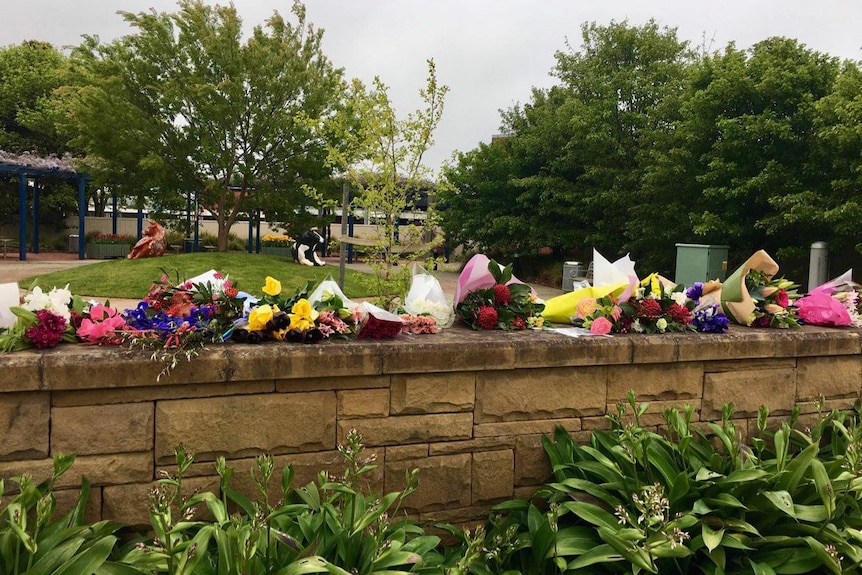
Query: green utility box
{"type": "Point", "coordinates": [700, 263]}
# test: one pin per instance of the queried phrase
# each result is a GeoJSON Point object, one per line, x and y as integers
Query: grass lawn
{"type": "Point", "coordinates": [132, 278]}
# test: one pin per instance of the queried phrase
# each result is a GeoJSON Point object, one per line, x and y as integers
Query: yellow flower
{"type": "Point", "coordinates": [303, 308]}
{"type": "Point", "coordinates": [300, 323]}
{"type": "Point", "coordinates": [272, 287]}
{"type": "Point", "coordinates": [259, 317]}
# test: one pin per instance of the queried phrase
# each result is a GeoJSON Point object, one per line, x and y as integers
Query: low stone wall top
{"type": "Point", "coordinates": [467, 408]}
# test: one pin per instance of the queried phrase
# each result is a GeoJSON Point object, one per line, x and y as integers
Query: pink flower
{"type": "Point", "coordinates": [616, 313]}
{"type": "Point", "coordinates": [601, 326]}
{"type": "Point", "coordinates": [101, 326]}
{"type": "Point", "coordinates": [782, 299]}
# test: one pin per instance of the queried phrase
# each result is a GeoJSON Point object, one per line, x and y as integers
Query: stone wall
{"type": "Point", "coordinates": [466, 408]}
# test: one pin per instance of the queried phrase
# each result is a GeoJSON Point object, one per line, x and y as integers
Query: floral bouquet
{"type": "Point", "coordinates": [495, 299]}
{"type": "Point", "coordinates": [834, 304]}
{"type": "Point", "coordinates": [750, 296]}
{"type": "Point", "coordinates": [43, 320]}
{"type": "Point", "coordinates": [653, 308]}
{"type": "Point", "coordinates": [613, 280]}
{"type": "Point", "coordinates": [181, 318]}
{"type": "Point", "coordinates": [426, 298]}
{"type": "Point", "coordinates": [376, 323]}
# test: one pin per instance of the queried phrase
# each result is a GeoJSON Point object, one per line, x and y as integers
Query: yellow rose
{"type": "Point", "coordinates": [272, 287]}
{"type": "Point", "coordinates": [303, 308]}
{"type": "Point", "coordinates": [259, 317]}
{"type": "Point", "coordinates": [299, 322]}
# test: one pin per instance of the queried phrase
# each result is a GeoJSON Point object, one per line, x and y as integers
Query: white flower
{"type": "Point", "coordinates": [639, 293]}
{"type": "Point", "coordinates": [441, 312]}
{"type": "Point", "coordinates": [637, 327]}
{"type": "Point", "coordinates": [661, 324]}
{"type": "Point", "coordinates": [679, 297]}
{"type": "Point", "coordinates": [36, 299]}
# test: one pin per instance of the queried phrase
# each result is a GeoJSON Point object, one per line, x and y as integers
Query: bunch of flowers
{"type": "Point", "coordinates": [180, 319]}
{"type": "Point", "coordinates": [101, 325]}
{"type": "Point", "coordinates": [773, 300]}
{"type": "Point", "coordinates": [708, 318]}
{"type": "Point", "coordinates": [652, 308]}
{"type": "Point", "coordinates": [269, 319]}
{"type": "Point", "coordinates": [277, 240]}
{"type": "Point", "coordinates": [98, 238]}
{"type": "Point", "coordinates": [44, 319]}
{"type": "Point", "coordinates": [376, 323]}
{"type": "Point", "coordinates": [419, 324]}
{"type": "Point", "coordinates": [505, 305]}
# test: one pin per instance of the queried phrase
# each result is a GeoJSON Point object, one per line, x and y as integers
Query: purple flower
{"type": "Point", "coordinates": [695, 292]}
{"type": "Point", "coordinates": [710, 319]}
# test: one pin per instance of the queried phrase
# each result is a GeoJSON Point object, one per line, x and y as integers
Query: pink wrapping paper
{"type": "Point", "coordinates": [475, 275]}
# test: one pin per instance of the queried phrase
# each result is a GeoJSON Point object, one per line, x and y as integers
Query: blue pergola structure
{"type": "Point", "coordinates": [28, 166]}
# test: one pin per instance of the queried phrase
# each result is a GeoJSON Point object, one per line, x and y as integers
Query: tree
{"type": "Point", "coordinates": [578, 149]}
{"type": "Point", "coordinates": [749, 128]}
{"type": "Point", "coordinates": [185, 105]}
{"type": "Point", "coordinates": [381, 156]}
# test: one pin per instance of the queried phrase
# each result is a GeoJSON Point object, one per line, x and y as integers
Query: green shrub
{"type": "Point", "coordinates": [33, 541]}
{"type": "Point", "coordinates": [634, 501]}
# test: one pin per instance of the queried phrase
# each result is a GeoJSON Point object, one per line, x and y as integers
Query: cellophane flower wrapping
{"type": "Point", "coordinates": [43, 320]}
{"type": "Point", "coordinates": [376, 323]}
{"type": "Point", "coordinates": [832, 304]}
{"type": "Point", "coordinates": [426, 297]}
{"type": "Point", "coordinates": [495, 299]}
{"type": "Point", "coordinates": [615, 280]}
{"type": "Point", "coordinates": [326, 290]}
{"type": "Point", "coordinates": [751, 297]}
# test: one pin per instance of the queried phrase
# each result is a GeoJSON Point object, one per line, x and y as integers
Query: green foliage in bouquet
{"type": "Point", "coordinates": [773, 300]}
{"type": "Point", "coordinates": [634, 501]}
{"type": "Point", "coordinates": [507, 306]}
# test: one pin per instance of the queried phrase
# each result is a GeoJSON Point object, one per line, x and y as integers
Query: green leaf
{"type": "Point", "coordinates": [91, 559]}
{"type": "Point", "coordinates": [575, 541]}
{"type": "Point", "coordinates": [725, 499]}
{"type": "Point", "coordinates": [711, 539]}
{"type": "Point", "coordinates": [592, 514]}
{"type": "Point", "coordinates": [761, 568]}
{"type": "Point", "coordinates": [599, 554]}
{"type": "Point", "coordinates": [635, 554]}
{"type": "Point", "coordinates": [827, 560]}
{"type": "Point", "coordinates": [824, 486]}
{"type": "Point", "coordinates": [782, 500]}
{"type": "Point", "coordinates": [743, 476]}
{"type": "Point", "coordinates": [795, 470]}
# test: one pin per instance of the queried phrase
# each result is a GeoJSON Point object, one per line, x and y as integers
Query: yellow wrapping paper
{"type": "Point", "coordinates": [562, 308]}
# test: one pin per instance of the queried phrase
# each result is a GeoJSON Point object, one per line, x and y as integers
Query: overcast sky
{"type": "Point", "coordinates": [489, 52]}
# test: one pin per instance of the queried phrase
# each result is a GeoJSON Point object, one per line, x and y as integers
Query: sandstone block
{"type": "Point", "coordinates": [553, 393]}
{"type": "Point", "coordinates": [653, 415]}
{"type": "Point", "coordinates": [24, 419]}
{"type": "Point", "coordinates": [360, 403]}
{"type": "Point", "coordinates": [517, 428]}
{"type": "Point", "coordinates": [833, 377]}
{"type": "Point", "coordinates": [472, 445]}
{"type": "Point", "coordinates": [130, 503]}
{"type": "Point", "coordinates": [404, 452]}
{"type": "Point", "coordinates": [151, 393]}
{"type": "Point", "coordinates": [247, 425]}
{"type": "Point", "coordinates": [493, 475]}
{"type": "Point", "coordinates": [444, 481]}
{"type": "Point", "coordinates": [405, 429]}
{"type": "Point", "coordinates": [822, 341]}
{"type": "Point", "coordinates": [749, 364]}
{"type": "Point", "coordinates": [748, 390]}
{"type": "Point", "coordinates": [96, 429]}
{"type": "Point", "coordinates": [532, 465]}
{"type": "Point", "coordinates": [22, 371]}
{"type": "Point", "coordinates": [109, 469]}
{"type": "Point", "coordinates": [327, 383]}
{"type": "Point", "coordinates": [655, 348]}
{"type": "Point", "coordinates": [334, 358]}
{"type": "Point", "coordinates": [656, 381]}
{"type": "Point", "coordinates": [737, 343]}
{"type": "Point", "coordinates": [549, 349]}
{"type": "Point", "coordinates": [455, 349]}
{"type": "Point", "coordinates": [433, 393]}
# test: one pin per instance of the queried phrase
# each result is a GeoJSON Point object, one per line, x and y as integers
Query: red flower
{"type": "Point", "coordinates": [487, 317]}
{"type": "Point", "coordinates": [679, 314]}
{"type": "Point", "coordinates": [519, 323]}
{"type": "Point", "coordinates": [782, 299]}
{"type": "Point", "coordinates": [649, 309]}
{"type": "Point", "coordinates": [502, 296]}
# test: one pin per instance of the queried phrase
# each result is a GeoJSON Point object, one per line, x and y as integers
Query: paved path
{"type": "Point", "coordinates": [14, 270]}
